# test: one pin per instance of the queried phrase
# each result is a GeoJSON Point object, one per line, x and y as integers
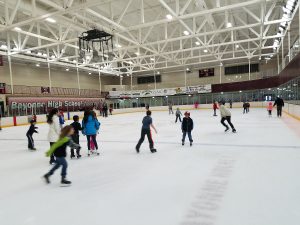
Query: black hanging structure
{"type": "Point", "coordinates": [89, 40]}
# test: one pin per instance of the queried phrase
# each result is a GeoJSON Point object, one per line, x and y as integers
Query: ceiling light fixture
{"type": "Point", "coordinates": [228, 25]}
{"type": "Point", "coordinates": [152, 59]}
{"type": "Point", "coordinates": [186, 32]}
{"type": "Point", "coordinates": [197, 43]}
{"type": "Point", "coordinates": [67, 69]}
{"type": "Point", "coordinates": [17, 29]}
{"type": "Point", "coordinates": [50, 20]}
{"type": "Point", "coordinates": [38, 65]}
{"type": "Point", "coordinates": [205, 50]}
{"type": "Point", "coordinates": [169, 16]}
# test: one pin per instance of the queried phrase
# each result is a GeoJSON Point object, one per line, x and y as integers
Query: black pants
{"type": "Point", "coordinates": [215, 112]}
{"type": "Point", "coordinates": [279, 111]}
{"type": "Point", "coordinates": [52, 157]}
{"type": "Point", "coordinates": [245, 110]}
{"type": "Point", "coordinates": [270, 112]}
{"type": "Point", "coordinates": [89, 141]}
{"type": "Point", "coordinates": [228, 118]}
{"type": "Point", "coordinates": [30, 141]}
{"type": "Point", "coordinates": [178, 117]}
{"type": "Point", "coordinates": [143, 133]}
{"type": "Point", "coordinates": [75, 138]}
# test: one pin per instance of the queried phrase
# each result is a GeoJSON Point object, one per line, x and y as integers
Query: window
{"type": "Point", "coordinates": [231, 70]}
{"type": "Point", "coordinates": [207, 72]}
{"type": "Point", "coordinates": [149, 79]}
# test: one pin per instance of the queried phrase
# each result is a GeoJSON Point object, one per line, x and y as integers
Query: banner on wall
{"type": "Point", "coordinates": [2, 88]}
{"type": "Point", "coordinates": [161, 92]}
{"type": "Point", "coordinates": [1, 60]}
{"type": "Point", "coordinates": [43, 103]}
{"type": "Point", "coordinates": [45, 90]}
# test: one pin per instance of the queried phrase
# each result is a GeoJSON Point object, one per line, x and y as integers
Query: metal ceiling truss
{"type": "Point", "coordinates": [143, 45]}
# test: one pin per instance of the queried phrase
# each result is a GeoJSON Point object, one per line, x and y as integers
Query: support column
{"type": "Point", "coordinates": [220, 73]}
{"type": "Point", "coordinates": [185, 79]}
{"type": "Point", "coordinates": [278, 69]}
{"type": "Point", "coordinates": [155, 82]}
{"type": "Point", "coordinates": [49, 75]}
{"type": "Point", "coordinates": [10, 75]}
{"type": "Point", "coordinates": [282, 55]}
{"type": "Point", "coordinates": [289, 43]}
{"type": "Point", "coordinates": [131, 83]}
{"type": "Point", "coordinates": [100, 84]}
{"type": "Point", "coordinates": [78, 81]}
{"type": "Point", "coordinates": [249, 69]}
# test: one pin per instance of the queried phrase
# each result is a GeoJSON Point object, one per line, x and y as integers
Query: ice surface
{"type": "Point", "coordinates": [247, 178]}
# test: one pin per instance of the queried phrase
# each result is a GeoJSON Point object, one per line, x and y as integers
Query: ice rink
{"type": "Point", "coordinates": [247, 178]}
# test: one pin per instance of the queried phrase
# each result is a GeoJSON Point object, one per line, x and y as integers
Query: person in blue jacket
{"type": "Point", "coordinates": [90, 127]}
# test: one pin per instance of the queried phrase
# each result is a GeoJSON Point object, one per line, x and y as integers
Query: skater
{"type": "Point", "coordinates": [110, 110]}
{"type": "Point", "coordinates": [245, 108]}
{"type": "Point", "coordinates": [0, 121]}
{"type": "Point", "coordinates": [187, 127]}
{"type": "Point", "coordinates": [147, 107]}
{"type": "Point", "coordinates": [279, 103]}
{"type": "Point", "coordinates": [248, 107]}
{"type": "Point", "coordinates": [90, 127]}
{"type": "Point", "coordinates": [270, 108]}
{"type": "Point", "coordinates": [171, 109]}
{"type": "Point", "coordinates": [215, 107]}
{"type": "Point", "coordinates": [230, 103]}
{"type": "Point", "coordinates": [61, 119]}
{"type": "Point", "coordinates": [178, 115]}
{"type": "Point", "coordinates": [226, 115]}
{"type": "Point", "coordinates": [34, 117]}
{"type": "Point", "coordinates": [105, 109]}
{"type": "Point", "coordinates": [30, 132]}
{"type": "Point", "coordinates": [147, 123]}
{"type": "Point", "coordinates": [59, 150]}
{"type": "Point", "coordinates": [54, 129]}
{"type": "Point", "coordinates": [75, 137]}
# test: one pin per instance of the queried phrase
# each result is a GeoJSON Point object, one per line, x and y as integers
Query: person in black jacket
{"type": "Point", "coordinates": [59, 151]}
{"type": "Point", "coordinates": [75, 137]}
{"type": "Point", "coordinates": [30, 132]}
{"type": "Point", "coordinates": [279, 103]}
{"type": "Point", "coordinates": [187, 127]}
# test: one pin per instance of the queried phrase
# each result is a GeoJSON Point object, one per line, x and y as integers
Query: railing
{"type": "Point", "coordinates": [55, 91]}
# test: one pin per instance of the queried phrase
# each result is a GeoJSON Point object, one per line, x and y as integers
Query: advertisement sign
{"type": "Point", "coordinates": [45, 90]}
{"type": "Point", "coordinates": [46, 103]}
{"type": "Point", "coordinates": [2, 88]}
{"type": "Point", "coordinates": [161, 92]}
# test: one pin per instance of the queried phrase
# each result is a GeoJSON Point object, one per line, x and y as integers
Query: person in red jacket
{"type": "Point", "coordinates": [215, 107]}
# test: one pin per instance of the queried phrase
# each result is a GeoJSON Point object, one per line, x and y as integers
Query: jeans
{"type": "Point", "coordinates": [228, 118]}
{"type": "Point", "coordinates": [189, 133]}
{"type": "Point", "coordinates": [52, 158]}
{"type": "Point", "coordinates": [178, 117]}
{"type": "Point", "coordinates": [30, 141]}
{"type": "Point", "coordinates": [93, 139]}
{"type": "Point", "coordinates": [143, 133]}
{"type": "Point", "coordinates": [60, 161]}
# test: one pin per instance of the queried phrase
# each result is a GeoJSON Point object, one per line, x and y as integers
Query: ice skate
{"type": "Point", "coordinates": [72, 156]}
{"type": "Point", "coordinates": [78, 156]}
{"type": "Point", "coordinates": [191, 143]}
{"type": "Point", "coordinates": [153, 150]}
{"type": "Point", "coordinates": [46, 177]}
{"type": "Point", "coordinates": [32, 149]}
{"type": "Point", "coordinates": [182, 143]}
{"type": "Point", "coordinates": [137, 150]}
{"type": "Point", "coordinates": [227, 128]}
{"type": "Point", "coordinates": [65, 183]}
{"type": "Point", "coordinates": [233, 130]}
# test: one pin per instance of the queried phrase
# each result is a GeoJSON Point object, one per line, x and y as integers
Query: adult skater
{"type": "Point", "coordinates": [279, 103]}
{"type": "Point", "coordinates": [59, 150]}
{"type": "Point", "coordinates": [245, 108]}
{"type": "Point", "coordinates": [187, 127]}
{"type": "Point", "coordinates": [178, 115]}
{"type": "Point", "coordinates": [54, 129]}
{"type": "Point", "coordinates": [147, 123]}
{"type": "Point", "coordinates": [215, 107]}
{"type": "Point", "coordinates": [230, 103]}
{"type": "Point", "coordinates": [248, 107]}
{"type": "Point", "coordinates": [90, 127]}
{"type": "Point", "coordinates": [30, 132]}
{"type": "Point", "coordinates": [105, 109]}
{"type": "Point", "coordinates": [226, 115]}
{"type": "Point", "coordinates": [75, 137]}
{"type": "Point", "coordinates": [171, 108]}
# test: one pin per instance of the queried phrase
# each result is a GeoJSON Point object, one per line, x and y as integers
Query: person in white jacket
{"type": "Point", "coordinates": [54, 129]}
{"type": "Point", "coordinates": [226, 115]}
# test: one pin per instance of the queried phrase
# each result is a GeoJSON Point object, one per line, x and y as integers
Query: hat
{"type": "Point", "coordinates": [187, 113]}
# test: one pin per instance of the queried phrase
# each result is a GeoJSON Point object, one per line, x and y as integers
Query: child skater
{"type": "Point", "coordinates": [178, 115]}
{"type": "Point", "coordinates": [90, 127]}
{"type": "Point", "coordinates": [147, 123]}
{"type": "Point", "coordinates": [61, 119]}
{"type": "Point", "coordinates": [75, 137]}
{"type": "Point", "coordinates": [215, 107]}
{"type": "Point", "coordinates": [110, 110]}
{"type": "Point", "coordinates": [226, 115]}
{"type": "Point", "coordinates": [187, 127]}
{"type": "Point", "coordinates": [59, 150]}
{"type": "Point", "coordinates": [30, 132]}
{"type": "Point", "coordinates": [270, 108]}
